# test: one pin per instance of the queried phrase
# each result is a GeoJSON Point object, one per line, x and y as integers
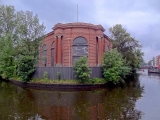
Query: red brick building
{"type": "Point", "coordinates": [68, 42]}
{"type": "Point", "coordinates": [157, 61]}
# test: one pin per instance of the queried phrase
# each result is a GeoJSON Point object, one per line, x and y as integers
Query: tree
{"type": "Point", "coordinates": [125, 44]}
{"type": "Point", "coordinates": [140, 55]}
{"type": "Point", "coordinates": [82, 70]}
{"type": "Point", "coordinates": [25, 33]}
{"type": "Point", "coordinates": [30, 33]}
{"type": "Point", "coordinates": [26, 68]}
{"type": "Point", "coordinates": [7, 60]}
{"type": "Point", "coordinates": [8, 22]}
{"type": "Point", "coordinates": [114, 68]}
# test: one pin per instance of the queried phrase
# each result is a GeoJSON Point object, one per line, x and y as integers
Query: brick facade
{"type": "Point", "coordinates": [63, 36]}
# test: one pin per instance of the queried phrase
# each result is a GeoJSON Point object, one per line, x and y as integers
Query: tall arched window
{"type": "Point", "coordinates": [52, 54]}
{"type": "Point", "coordinates": [44, 55]}
{"type": "Point", "coordinates": [80, 48]}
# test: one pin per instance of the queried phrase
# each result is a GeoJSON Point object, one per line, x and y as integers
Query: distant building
{"type": "Point", "coordinates": [154, 62]}
{"type": "Point", "coordinates": [68, 42]}
{"type": "Point", "coordinates": [157, 60]}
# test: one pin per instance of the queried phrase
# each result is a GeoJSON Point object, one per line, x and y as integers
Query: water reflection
{"type": "Point", "coordinates": [119, 103]}
{"type": "Point", "coordinates": [149, 103]}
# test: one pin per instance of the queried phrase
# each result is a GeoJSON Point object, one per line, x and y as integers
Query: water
{"type": "Point", "coordinates": [138, 100]}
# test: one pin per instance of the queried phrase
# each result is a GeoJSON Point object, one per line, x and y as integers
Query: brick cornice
{"type": "Point", "coordinates": [78, 25]}
{"type": "Point", "coordinates": [99, 36]}
{"type": "Point", "coordinates": [58, 35]}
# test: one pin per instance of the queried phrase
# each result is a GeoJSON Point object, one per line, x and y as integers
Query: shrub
{"type": "Point", "coordinates": [82, 70]}
{"type": "Point", "coordinates": [7, 57]}
{"type": "Point", "coordinates": [45, 75]}
{"type": "Point", "coordinates": [97, 81]}
{"type": "Point", "coordinates": [59, 75]}
{"type": "Point", "coordinates": [8, 72]}
{"type": "Point", "coordinates": [114, 68]}
{"type": "Point", "coordinates": [26, 68]}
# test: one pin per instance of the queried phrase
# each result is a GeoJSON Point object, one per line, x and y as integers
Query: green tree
{"type": "Point", "coordinates": [30, 33]}
{"type": "Point", "coordinates": [114, 68]}
{"type": "Point", "coordinates": [24, 27]}
{"type": "Point", "coordinates": [8, 22]}
{"type": "Point", "coordinates": [7, 60]}
{"type": "Point", "coordinates": [25, 33]}
{"type": "Point", "coordinates": [140, 55]}
{"type": "Point", "coordinates": [26, 68]}
{"type": "Point", "coordinates": [82, 70]}
{"type": "Point", "coordinates": [125, 44]}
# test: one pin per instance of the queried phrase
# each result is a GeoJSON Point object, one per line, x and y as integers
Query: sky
{"type": "Point", "coordinates": [141, 18]}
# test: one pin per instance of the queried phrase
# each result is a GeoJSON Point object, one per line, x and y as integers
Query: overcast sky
{"type": "Point", "coordinates": [141, 18]}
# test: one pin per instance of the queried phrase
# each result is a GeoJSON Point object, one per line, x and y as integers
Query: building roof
{"type": "Point", "coordinates": [78, 25]}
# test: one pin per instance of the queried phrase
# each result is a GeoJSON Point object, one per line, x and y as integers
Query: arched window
{"type": "Point", "coordinates": [80, 48]}
{"type": "Point", "coordinates": [44, 55]}
{"type": "Point", "coordinates": [52, 54]}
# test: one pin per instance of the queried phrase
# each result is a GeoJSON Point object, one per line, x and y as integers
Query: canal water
{"type": "Point", "coordinates": [139, 100]}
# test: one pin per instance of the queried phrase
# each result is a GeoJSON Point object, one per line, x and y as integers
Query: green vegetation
{"type": "Point", "coordinates": [124, 58]}
{"type": "Point", "coordinates": [114, 68]}
{"type": "Point", "coordinates": [7, 60]}
{"type": "Point", "coordinates": [97, 81]}
{"type": "Point", "coordinates": [45, 76]}
{"type": "Point", "coordinates": [59, 75]}
{"type": "Point", "coordinates": [26, 68]}
{"type": "Point", "coordinates": [126, 45]}
{"type": "Point", "coordinates": [49, 81]}
{"type": "Point", "coordinates": [82, 70]}
{"type": "Point", "coordinates": [140, 55]}
{"type": "Point", "coordinates": [20, 36]}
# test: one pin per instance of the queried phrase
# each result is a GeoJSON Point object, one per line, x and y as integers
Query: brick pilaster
{"type": "Point", "coordinates": [59, 54]}
{"type": "Point", "coordinates": [99, 49]}
{"type": "Point", "coordinates": [56, 49]}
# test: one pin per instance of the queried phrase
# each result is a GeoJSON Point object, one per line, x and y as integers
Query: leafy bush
{"type": "Point", "coordinates": [7, 53]}
{"type": "Point", "coordinates": [97, 81]}
{"type": "Point", "coordinates": [59, 75]}
{"type": "Point", "coordinates": [26, 68]}
{"type": "Point", "coordinates": [82, 70]}
{"type": "Point", "coordinates": [45, 75]}
{"type": "Point", "coordinates": [114, 68]}
{"type": "Point", "coordinates": [8, 72]}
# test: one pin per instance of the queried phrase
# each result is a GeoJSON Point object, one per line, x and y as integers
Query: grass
{"type": "Point", "coordinates": [48, 81]}
{"type": "Point", "coordinates": [72, 82]}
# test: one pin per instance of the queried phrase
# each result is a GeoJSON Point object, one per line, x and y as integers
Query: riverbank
{"type": "Point", "coordinates": [57, 86]}
{"type": "Point", "coordinates": [154, 70]}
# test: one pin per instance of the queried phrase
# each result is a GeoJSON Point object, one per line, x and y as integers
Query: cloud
{"type": "Point", "coordinates": [141, 18]}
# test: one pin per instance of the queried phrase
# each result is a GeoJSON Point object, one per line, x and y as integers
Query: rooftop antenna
{"type": "Point", "coordinates": [77, 12]}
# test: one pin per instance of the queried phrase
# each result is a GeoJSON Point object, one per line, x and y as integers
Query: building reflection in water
{"type": "Point", "coordinates": [118, 103]}
{"type": "Point", "coordinates": [100, 104]}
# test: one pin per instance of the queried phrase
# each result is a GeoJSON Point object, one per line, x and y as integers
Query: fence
{"type": "Point", "coordinates": [66, 72]}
